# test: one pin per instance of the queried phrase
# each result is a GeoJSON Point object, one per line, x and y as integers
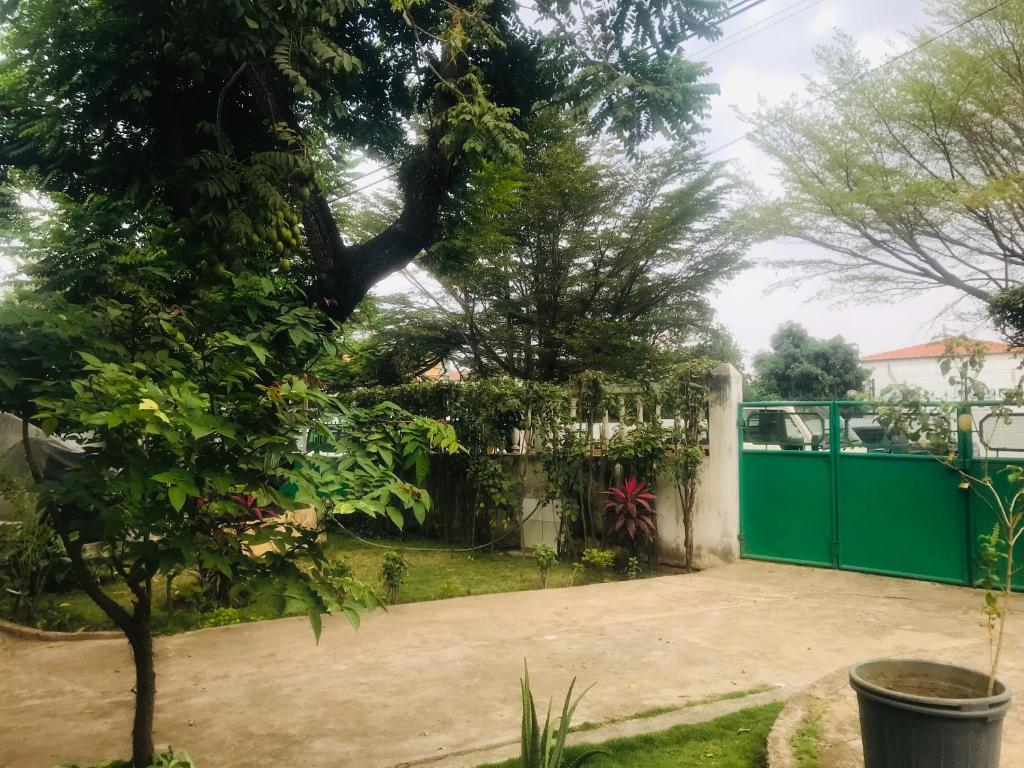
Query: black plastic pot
{"type": "Point", "coordinates": [922, 714]}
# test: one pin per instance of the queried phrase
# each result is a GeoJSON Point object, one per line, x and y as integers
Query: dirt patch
{"type": "Point", "coordinates": [915, 685]}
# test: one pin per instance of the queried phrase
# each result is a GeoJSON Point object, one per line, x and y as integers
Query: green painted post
{"type": "Point", "coordinates": [835, 451]}
{"type": "Point", "coordinates": [739, 479]}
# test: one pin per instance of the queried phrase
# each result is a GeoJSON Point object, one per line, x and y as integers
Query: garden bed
{"type": "Point", "coordinates": [434, 574]}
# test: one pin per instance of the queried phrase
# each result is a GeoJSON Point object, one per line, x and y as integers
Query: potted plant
{"type": "Point", "coordinates": [923, 714]}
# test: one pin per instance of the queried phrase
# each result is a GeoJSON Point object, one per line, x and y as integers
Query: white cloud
{"type": "Point", "coordinates": [877, 45]}
{"type": "Point", "coordinates": [824, 19]}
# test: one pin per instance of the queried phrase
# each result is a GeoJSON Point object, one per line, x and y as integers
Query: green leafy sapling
{"type": "Point", "coordinates": [545, 557]}
{"type": "Point", "coordinates": [601, 561]}
{"type": "Point", "coordinates": [392, 573]}
{"type": "Point", "coordinates": [906, 412]}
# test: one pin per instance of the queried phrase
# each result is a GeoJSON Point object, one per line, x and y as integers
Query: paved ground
{"type": "Point", "coordinates": [429, 679]}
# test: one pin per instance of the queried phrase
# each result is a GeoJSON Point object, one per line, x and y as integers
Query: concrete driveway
{"type": "Point", "coordinates": [429, 679]}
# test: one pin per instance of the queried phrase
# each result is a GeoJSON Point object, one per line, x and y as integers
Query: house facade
{"type": "Point", "coordinates": [919, 365]}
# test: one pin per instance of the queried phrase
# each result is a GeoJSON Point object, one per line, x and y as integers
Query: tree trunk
{"type": "Point", "coordinates": [141, 641]}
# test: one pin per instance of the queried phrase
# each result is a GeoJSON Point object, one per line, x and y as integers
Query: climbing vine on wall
{"type": "Point", "coordinates": [501, 422]}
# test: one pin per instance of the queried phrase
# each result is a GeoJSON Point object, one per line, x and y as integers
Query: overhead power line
{"type": "Point", "coordinates": [740, 7]}
{"type": "Point", "coordinates": [754, 29]}
{"type": "Point", "coordinates": [869, 72]}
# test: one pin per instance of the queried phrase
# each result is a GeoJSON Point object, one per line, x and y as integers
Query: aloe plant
{"type": "Point", "coordinates": [546, 748]}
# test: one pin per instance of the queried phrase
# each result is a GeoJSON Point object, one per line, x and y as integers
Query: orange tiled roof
{"type": "Point", "coordinates": [931, 349]}
{"type": "Point", "coordinates": [441, 372]}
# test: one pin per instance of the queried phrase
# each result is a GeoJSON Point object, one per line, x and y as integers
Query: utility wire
{"type": "Point", "coordinates": [372, 183]}
{"type": "Point", "coordinates": [737, 9]}
{"type": "Point", "coordinates": [717, 47]}
{"type": "Point", "coordinates": [868, 73]}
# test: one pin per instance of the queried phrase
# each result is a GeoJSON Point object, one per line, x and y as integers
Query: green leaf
{"type": "Point", "coordinates": [253, 24]}
{"type": "Point", "coordinates": [352, 615]}
{"type": "Point", "coordinates": [396, 516]}
{"type": "Point", "coordinates": [316, 622]}
{"type": "Point", "coordinates": [176, 495]}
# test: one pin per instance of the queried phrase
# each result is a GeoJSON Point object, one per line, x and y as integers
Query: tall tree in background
{"type": "Point", "coordinates": [580, 260]}
{"type": "Point", "coordinates": [908, 177]}
{"type": "Point", "coordinates": [801, 367]}
{"type": "Point", "coordinates": [226, 117]}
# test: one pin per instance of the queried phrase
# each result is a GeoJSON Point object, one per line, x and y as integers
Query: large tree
{"type": "Point", "coordinates": [577, 259]}
{"type": "Point", "coordinates": [227, 115]}
{"type": "Point", "coordinates": [908, 176]}
{"type": "Point", "coordinates": [802, 367]}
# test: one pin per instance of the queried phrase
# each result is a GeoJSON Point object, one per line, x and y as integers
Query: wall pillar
{"type": "Point", "coordinates": [716, 517]}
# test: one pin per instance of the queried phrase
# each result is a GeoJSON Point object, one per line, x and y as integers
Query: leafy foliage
{"type": "Point", "coordinates": [31, 556]}
{"type": "Point", "coordinates": [546, 558]}
{"type": "Point", "coordinates": [633, 568]}
{"type": "Point", "coordinates": [801, 367]}
{"type": "Point", "coordinates": [1006, 309]}
{"type": "Point", "coordinates": [628, 512]}
{"type": "Point", "coordinates": [168, 759]}
{"type": "Point", "coordinates": [907, 177]}
{"type": "Point", "coordinates": [578, 260]}
{"type": "Point", "coordinates": [600, 560]}
{"type": "Point", "coordinates": [231, 114]}
{"type": "Point", "coordinates": [392, 573]}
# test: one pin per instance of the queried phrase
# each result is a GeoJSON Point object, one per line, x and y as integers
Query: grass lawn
{"type": "Point", "coordinates": [431, 576]}
{"type": "Point", "coordinates": [738, 740]}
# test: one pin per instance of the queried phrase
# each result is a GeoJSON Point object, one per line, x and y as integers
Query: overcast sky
{"type": "Point", "coordinates": [772, 65]}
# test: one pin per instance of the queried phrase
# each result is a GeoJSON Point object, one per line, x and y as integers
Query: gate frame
{"type": "Point", "coordinates": [964, 460]}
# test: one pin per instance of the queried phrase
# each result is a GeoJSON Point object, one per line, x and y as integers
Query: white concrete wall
{"type": "Point", "coordinates": [717, 512]}
{"type": "Point", "coordinates": [541, 527]}
{"type": "Point", "coordinates": [716, 520]}
{"type": "Point", "coordinates": [1001, 371]}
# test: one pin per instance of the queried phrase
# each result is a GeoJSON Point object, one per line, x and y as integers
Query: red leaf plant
{"type": "Point", "coordinates": [628, 511]}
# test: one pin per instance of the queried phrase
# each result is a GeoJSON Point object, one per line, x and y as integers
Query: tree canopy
{"type": "Point", "coordinates": [802, 367]}
{"type": "Point", "coordinates": [225, 117]}
{"type": "Point", "coordinates": [908, 176]}
{"type": "Point", "coordinates": [576, 259]}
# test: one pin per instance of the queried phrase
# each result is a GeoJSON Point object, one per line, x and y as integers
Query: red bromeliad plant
{"type": "Point", "coordinates": [628, 511]}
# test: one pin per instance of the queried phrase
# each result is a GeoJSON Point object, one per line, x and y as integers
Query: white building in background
{"type": "Point", "coordinates": [919, 365]}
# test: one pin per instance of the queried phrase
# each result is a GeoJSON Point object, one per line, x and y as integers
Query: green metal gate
{"type": "Point", "coordinates": [820, 484]}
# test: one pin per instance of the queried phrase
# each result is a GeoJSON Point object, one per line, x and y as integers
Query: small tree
{"type": "Point", "coordinates": [392, 573]}
{"type": "Point", "coordinates": [546, 558]}
{"type": "Point", "coordinates": [187, 391]}
{"type": "Point", "coordinates": [905, 412]}
{"type": "Point", "coordinates": [687, 393]}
